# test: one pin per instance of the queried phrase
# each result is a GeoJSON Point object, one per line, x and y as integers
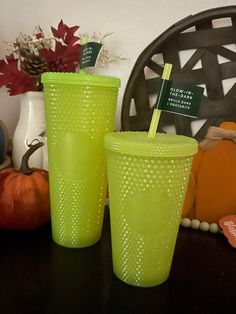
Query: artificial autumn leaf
{"type": "Point", "coordinates": [70, 39]}
{"type": "Point", "coordinates": [16, 81]}
{"type": "Point", "coordinates": [8, 68]}
{"type": "Point", "coordinates": [65, 33]}
{"type": "Point", "coordinates": [60, 31]}
{"type": "Point", "coordinates": [23, 84]}
{"type": "Point", "coordinates": [63, 58]}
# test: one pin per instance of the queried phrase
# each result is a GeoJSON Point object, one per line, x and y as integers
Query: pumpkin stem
{"type": "Point", "coordinates": [24, 167]}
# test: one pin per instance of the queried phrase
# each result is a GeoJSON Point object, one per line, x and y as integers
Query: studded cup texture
{"type": "Point", "coordinates": [146, 195]}
{"type": "Point", "coordinates": [77, 118]}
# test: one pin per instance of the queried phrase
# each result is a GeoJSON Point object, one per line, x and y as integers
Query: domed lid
{"type": "Point", "coordinates": [80, 78]}
{"type": "Point", "coordinates": [162, 145]}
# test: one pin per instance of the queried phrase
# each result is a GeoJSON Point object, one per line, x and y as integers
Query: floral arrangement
{"type": "Point", "coordinates": [30, 56]}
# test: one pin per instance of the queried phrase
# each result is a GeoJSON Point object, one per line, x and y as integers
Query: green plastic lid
{"type": "Point", "coordinates": [80, 78]}
{"type": "Point", "coordinates": [162, 145]}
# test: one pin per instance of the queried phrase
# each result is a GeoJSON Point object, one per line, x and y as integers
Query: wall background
{"type": "Point", "coordinates": [134, 23]}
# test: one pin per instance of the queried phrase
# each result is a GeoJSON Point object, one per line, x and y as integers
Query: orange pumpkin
{"type": "Point", "coordinates": [24, 195]}
{"type": "Point", "coordinates": [211, 192]}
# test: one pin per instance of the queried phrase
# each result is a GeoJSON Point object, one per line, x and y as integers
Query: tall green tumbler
{"type": "Point", "coordinates": [80, 110]}
{"type": "Point", "coordinates": [147, 180]}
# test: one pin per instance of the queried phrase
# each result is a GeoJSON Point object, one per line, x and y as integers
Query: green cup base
{"type": "Point", "coordinates": [142, 283]}
{"type": "Point", "coordinates": [77, 244]}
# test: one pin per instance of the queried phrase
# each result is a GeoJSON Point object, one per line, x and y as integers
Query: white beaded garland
{"type": "Point", "coordinates": [202, 225]}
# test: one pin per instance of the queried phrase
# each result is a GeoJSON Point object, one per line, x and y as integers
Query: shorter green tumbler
{"type": "Point", "coordinates": [80, 109]}
{"type": "Point", "coordinates": [147, 179]}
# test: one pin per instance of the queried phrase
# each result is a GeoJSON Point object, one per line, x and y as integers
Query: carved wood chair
{"type": "Point", "coordinates": [199, 37]}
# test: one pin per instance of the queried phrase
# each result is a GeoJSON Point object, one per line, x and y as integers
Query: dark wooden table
{"type": "Point", "coordinates": [39, 277]}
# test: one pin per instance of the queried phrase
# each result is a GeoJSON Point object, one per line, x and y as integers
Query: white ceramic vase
{"type": "Point", "coordinates": [29, 127]}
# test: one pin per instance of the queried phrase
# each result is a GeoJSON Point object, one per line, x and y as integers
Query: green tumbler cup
{"type": "Point", "coordinates": [147, 179]}
{"type": "Point", "coordinates": [80, 110]}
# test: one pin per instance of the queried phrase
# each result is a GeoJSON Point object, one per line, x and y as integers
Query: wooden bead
{"type": "Point", "coordinates": [204, 226]}
{"type": "Point", "coordinates": [214, 228]}
{"type": "Point", "coordinates": [195, 223]}
{"type": "Point", "coordinates": [185, 222]}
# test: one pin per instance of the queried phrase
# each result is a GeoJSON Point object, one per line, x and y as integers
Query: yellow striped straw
{"type": "Point", "coordinates": [156, 112]}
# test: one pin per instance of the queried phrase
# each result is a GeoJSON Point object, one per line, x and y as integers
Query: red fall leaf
{"type": "Point", "coordinates": [16, 81]}
{"type": "Point", "coordinates": [62, 59]}
{"type": "Point", "coordinates": [65, 33]}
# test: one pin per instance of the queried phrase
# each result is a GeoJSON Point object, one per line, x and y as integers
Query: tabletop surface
{"type": "Point", "coordinates": [38, 276]}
